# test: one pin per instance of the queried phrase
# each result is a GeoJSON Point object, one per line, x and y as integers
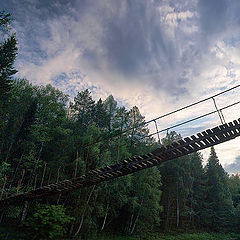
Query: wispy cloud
{"type": "Point", "coordinates": [159, 55]}
{"type": "Point", "coordinates": [233, 167]}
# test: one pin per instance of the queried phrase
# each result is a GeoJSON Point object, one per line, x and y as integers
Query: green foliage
{"type": "Point", "coordinates": [43, 139]}
{"type": "Point", "coordinates": [48, 222]}
{"type": "Point", "coordinates": [14, 212]}
{"type": "Point", "coordinates": [42, 131]}
{"type": "Point", "coordinates": [218, 201]}
{"type": "Point", "coordinates": [5, 19]}
{"type": "Point", "coordinates": [8, 52]}
{"type": "Point", "coordinates": [184, 236]}
{"type": "Point", "coordinates": [4, 167]}
{"type": "Point", "coordinates": [234, 186]}
{"type": "Point", "coordinates": [182, 189]}
{"type": "Point", "coordinates": [198, 236]}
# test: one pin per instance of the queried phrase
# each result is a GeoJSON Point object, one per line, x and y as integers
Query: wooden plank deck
{"type": "Point", "coordinates": [180, 148]}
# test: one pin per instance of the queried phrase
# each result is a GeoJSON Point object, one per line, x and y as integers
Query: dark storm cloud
{"type": "Point", "coordinates": [233, 167]}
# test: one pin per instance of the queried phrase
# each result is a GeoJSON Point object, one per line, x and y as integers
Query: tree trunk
{"type": "Point", "coordinates": [43, 175]}
{"type": "Point", "coordinates": [8, 152]}
{"type": "Point", "coordinates": [35, 166]}
{"type": "Point", "coordinates": [24, 214]}
{"type": "Point", "coordinates": [3, 188]}
{"type": "Point", "coordinates": [167, 214]}
{"type": "Point", "coordinates": [105, 217]}
{"type": "Point", "coordinates": [134, 225]}
{"type": "Point", "coordinates": [130, 225]}
{"type": "Point", "coordinates": [76, 167]}
{"type": "Point", "coordinates": [14, 175]}
{"type": "Point", "coordinates": [83, 215]}
{"type": "Point", "coordinates": [177, 208]}
{"type": "Point", "coordinates": [59, 197]}
{"type": "Point", "coordinates": [2, 215]}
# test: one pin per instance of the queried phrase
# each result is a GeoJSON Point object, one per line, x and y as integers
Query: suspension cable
{"type": "Point", "coordinates": [182, 123]}
{"type": "Point", "coordinates": [193, 104]}
{"type": "Point", "coordinates": [165, 115]}
{"type": "Point", "coordinates": [156, 126]}
{"type": "Point", "coordinates": [219, 114]}
{"type": "Point", "coordinates": [191, 120]}
{"type": "Point", "coordinates": [222, 116]}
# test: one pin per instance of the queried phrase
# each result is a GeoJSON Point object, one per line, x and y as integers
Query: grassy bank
{"type": "Point", "coordinates": [185, 236]}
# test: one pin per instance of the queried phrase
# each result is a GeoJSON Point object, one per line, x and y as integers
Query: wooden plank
{"type": "Point", "coordinates": [162, 149]}
{"type": "Point", "coordinates": [179, 146]}
{"type": "Point", "coordinates": [236, 124]}
{"type": "Point", "coordinates": [155, 161]}
{"type": "Point", "coordinates": [157, 158]}
{"type": "Point", "coordinates": [176, 152]}
{"type": "Point", "coordinates": [144, 164]}
{"type": "Point", "coordinates": [188, 148]}
{"type": "Point", "coordinates": [232, 129]}
{"type": "Point", "coordinates": [152, 161]}
{"type": "Point", "coordinates": [208, 138]}
{"type": "Point", "coordinates": [201, 137]}
{"type": "Point", "coordinates": [216, 129]}
{"type": "Point", "coordinates": [163, 155]}
{"type": "Point", "coordinates": [211, 137]}
{"type": "Point", "coordinates": [181, 142]}
{"type": "Point", "coordinates": [192, 143]}
{"type": "Point", "coordinates": [197, 141]}
{"type": "Point", "coordinates": [223, 132]}
{"type": "Point", "coordinates": [175, 144]}
{"type": "Point", "coordinates": [228, 130]}
{"type": "Point", "coordinates": [219, 134]}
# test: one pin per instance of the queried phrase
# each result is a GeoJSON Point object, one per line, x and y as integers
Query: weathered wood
{"type": "Point", "coordinates": [182, 147]}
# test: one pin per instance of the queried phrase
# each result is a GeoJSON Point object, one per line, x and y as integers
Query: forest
{"type": "Point", "coordinates": [46, 137]}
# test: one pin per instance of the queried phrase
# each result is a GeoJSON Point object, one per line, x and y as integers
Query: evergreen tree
{"type": "Point", "coordinates": [144, 202]}
{"type": "Point", "coordinates": [195, 200]}
{"type": "Point", "coordinates": [82, 109]}
{"type": "Point", "coordinates": [234, 184]}
{"type": "Point", "coordinates": [182, 189]}
{"type": "Point", "coordinates": [100, 116]}
{"type": "Point", "coordinates": [8, 52]}
{"type": "Point", "coordinates": [218, 201]}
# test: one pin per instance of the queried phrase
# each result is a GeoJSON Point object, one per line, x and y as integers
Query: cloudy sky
{"type": "Point", "coordinates": [157, 54]}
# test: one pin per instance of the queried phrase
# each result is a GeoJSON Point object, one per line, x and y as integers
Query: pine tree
{"type": "Point", "coordinates": [195, 199]}
{"type": "Point", "coordinates": [82, 109]}
{"type": "Point", "coordinates": [218, 202]}
{"type": "Point", "coordinates": [100, 115]}
{"type": "Point", "coordinates": [8, 53]}
{"type": "Point", "coordinates": [234, 182]}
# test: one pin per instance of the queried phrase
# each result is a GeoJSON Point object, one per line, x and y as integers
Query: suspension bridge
{"type": "Point", "coordinates": [182, 147]}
